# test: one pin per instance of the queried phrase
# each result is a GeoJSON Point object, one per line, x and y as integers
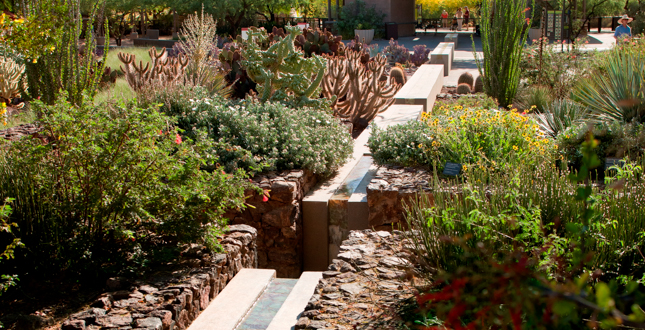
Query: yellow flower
{"type": "Point", "coordinates": [34, 61]}
{"type": "Point", "coordinates": [515, 148]}
{"type": "Point", "coordinates": [52, 48]}
{"type": "Point", "coordinates": [19, 21]}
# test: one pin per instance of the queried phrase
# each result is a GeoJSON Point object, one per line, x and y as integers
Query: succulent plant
{"type": "Point", "coordinates": [479, 85]}
{"type": "Point", "coordinates": [366, 51]}
{"type": "Point", "coordinates": [357, 90]}
{"type": "Point", "coordinates": [281, 71]}
{"type": "Point", "coordinates": [420, 55]}
{"type": "Point", "coordinates": [230, 58]}
{"type": "Point", "coordinates": [161, 69]}
{"type": "Point", "coordinates": [319, 42]}
{"type": "Point", "coordinates": [466, 78]}
{"type": "Point", "coordinates": [397, 74]}
{"type": "Point", "coordinates": [11, 81]}
{"type": "Point", "coordinates": [396, 53]}
{"type": "Point", "coordinates": [463, 89]}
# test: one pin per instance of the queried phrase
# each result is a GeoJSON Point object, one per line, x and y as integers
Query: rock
{"type": "Point", "coordinates": [73, 325]}
{"type": "Point", "coordinates": [302, 323]}
{"type": "Point", "coordinates": [117, 283]}
{"type": "Point", "coordinates": [114, 321]}
{"type": "Point", "coordinates": [395, 262]}
{"type": "Point", "coordinates": [317, 325]}
{"type": "Point", "coordinates": [351, 288]}
{"type": "Point", "coordinates": [164, 316]}
{"type": "Point", "coordinates": [151, 323]}
{"type": "Point", "coordinates": [349, 256]}
{"type": "Point", "coordinates": [147, 289]}
{"type": "Point", "coordinates": [330, 273]}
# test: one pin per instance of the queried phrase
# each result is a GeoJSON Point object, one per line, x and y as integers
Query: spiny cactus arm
{"type": "Point", "coordinates": [319, 77]}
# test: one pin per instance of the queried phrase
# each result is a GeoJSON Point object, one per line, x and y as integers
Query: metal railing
{"type": "Point", "coordinates": [314, 22]}
{"type": "Point", "coordinates": [445, 23]}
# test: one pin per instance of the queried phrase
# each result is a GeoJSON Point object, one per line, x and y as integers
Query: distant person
{"type": "Point", "coordinates": [466, 17]}
{"type": "Point", "coordinates": [460, 18]}
{"type": "Point", "coordinates": [444, 18]}
{"type": "Point", "coordinates": [623, 31]}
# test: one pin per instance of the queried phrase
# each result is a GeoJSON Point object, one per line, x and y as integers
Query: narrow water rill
{"type": "Point", "coordinates": [267, 306]}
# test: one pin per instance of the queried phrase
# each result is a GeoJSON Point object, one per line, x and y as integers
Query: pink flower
{"type": "Point", "coordinates": [177, 138]}
{"type": "Point", "coordinates": [265, 198]}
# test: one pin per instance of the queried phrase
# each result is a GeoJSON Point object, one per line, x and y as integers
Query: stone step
{"type": "Point", "coordinates": [230, 307]}
{"type": "Point", "coordinates": [296, 302]}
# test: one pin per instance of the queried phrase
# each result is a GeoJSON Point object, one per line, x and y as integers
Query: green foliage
{"type": "Point", "coordinates": [444, 107]}
{"type": "Point", "coordinates": [99, 176]}
{"type": "Point", "coordinates": [546, 65]}
{"type": "Point", "coordinates": [66, 68]}
{"type": "Point", "coordinates": [474, 138]}
{"type": "Point", "coordinates": [534, 98]}
{"type": "Point", "coordinates": [616, 140]}
{"type": "Point", "coordinates": [319, 42]}
{"type": "Point", "coordinates": [358, 16]}
{"type": "Point", "coordinates": [617, 91]}
{"type": "Point", "coordinates": [8, 251]}
{"type": "Point", "coordinates": [560, 115]}
{"type": "Point", "coordinates": [265, 135]}
{"type": "Point", "coordinates": [36, 32]}
{"type": "Point", "coordinates": [503, 40]}
{"type": "Point", "coordinates": [282, 73]}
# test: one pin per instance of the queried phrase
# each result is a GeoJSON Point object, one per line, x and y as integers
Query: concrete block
{"type": "Point", "coordinates": [296, 302]}
{"type": "Point", "coordinates": [452, 37]}
{"type": "Point", "coordinates": [443, 54]}
{"type": "Point", "coordinates": [422, 88]}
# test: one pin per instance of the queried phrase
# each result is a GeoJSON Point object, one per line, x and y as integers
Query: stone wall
{"type": "Point", "coordinates": [170, 301]}
{"type": "Point", "coordinates": [277, 216]}
{"type": "Point", "coordinates": [362, 286]}
{"type": "Point", "coordinates": [390, 190]}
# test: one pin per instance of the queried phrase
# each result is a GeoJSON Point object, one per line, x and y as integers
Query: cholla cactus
{"type": "Point", "coordinates": [281, 72]}
{"type": "Point", "coordinates": [161, 69]}
{"type": "Point", "coordinates": [10, 79]}
{"type": "Point", "coordinates": [358, 93]}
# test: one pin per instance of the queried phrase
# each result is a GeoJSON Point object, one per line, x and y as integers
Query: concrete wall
{"type": "Point", "coordinates": [398, 11]}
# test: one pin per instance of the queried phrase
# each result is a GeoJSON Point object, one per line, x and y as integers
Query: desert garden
{"type": "Point", "coordinates": [137, 182]}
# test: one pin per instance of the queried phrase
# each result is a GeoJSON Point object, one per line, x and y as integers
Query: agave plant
{"type": "Point", "coordinates": [560, 115]}
{"type": "Point", "coordinates": [617, 94]}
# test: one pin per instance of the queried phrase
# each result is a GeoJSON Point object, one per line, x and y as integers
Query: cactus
{"type": "Point", "coordinates": [161, 69]}
{"type": "Point", "coordinates": [479, 85]}
{"type": "Point", "coordinates": [420, 55]}
{"type": "Point", "coordinates": [463, 89]}
{"type": "Point", "coordinates": [397, 74]}
{"type": "Point", "coordinates": [231, 59]}
{"type": "Point", "coordinates": [358, 93]}
{"type": "Point", "coordinates": [466, 78]}
{"type": "Point", "coordinates": [281, 71]}
{"type": "Point", "coordinates": [11, 81]}
{"type": "Point", "coordinates": [319, 42]}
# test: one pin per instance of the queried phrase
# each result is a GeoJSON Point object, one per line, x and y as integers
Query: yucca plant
{"type": "Point", "coordinates": [560, 115]}
{"type": "Point", "coordinates": [617, 93]}
{"type": "Point", "coordinates": [503, 39]}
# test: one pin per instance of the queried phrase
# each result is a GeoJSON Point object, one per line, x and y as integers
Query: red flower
{"type": "Point", "coordinates": [265, 198]}
{"type": "Point", "coordinates": [177, 138]}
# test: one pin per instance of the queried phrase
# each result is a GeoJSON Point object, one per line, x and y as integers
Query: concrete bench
{"type": "Point", "coordinates": [443, 54]}
{"type": "Point", "coordinates": [422, 88]}
{"type": "Point", "coordinates": [451, 37]}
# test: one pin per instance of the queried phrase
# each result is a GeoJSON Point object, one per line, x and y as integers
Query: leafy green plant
{"type": "Point", "coordinates": [444, 107]}
{"type": "Point", "coordinates": [98, 176]}
{"type": "Point", "coordinates": [357, 15]}
{"type": "Point", "coordinates": [8, 251]}
{"type": "Point", "coordinates": [560, 115]}
{"type": "Point", "coordinates": [533, 98]}
{"type": "Point", "coordinates": [264, 136]}
{"type": "Point", "coordinates": [503, 39]}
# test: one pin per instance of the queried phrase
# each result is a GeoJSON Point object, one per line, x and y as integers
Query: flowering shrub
{"type": "Point", "coordinates": [267, 136]}
{"type": "Point", "coordinates": [98, 180]}
{"type": "Point", "coordinates": [3, 113]}
{"type": "Point", "coordinates": [469, 137]}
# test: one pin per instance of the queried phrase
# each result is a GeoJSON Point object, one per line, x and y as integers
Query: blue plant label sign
{"type": "Point", "coordinates": [452, 169]}
{"type": "Point", "coordinates": [609, 162]}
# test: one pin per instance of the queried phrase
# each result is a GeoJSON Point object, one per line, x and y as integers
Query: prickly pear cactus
{"type": "Point", "coordinates": [231, 59]}
{"type": "Point", "coordinates": [281, 72]}
{"type": "Point", "coordinates": [319, 42]}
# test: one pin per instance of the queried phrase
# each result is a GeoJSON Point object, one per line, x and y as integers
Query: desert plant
{"type": "Point", "coordinates": [534, 97]}
{"type": "Point", "coordinates": [358, 13]}
{"type": "Point", "coordinates": [397, 75]}
{"type": "Point", "coordinates": [161, 69]}
{"type": "Point", "coordinates": [68, 66]}
{"type": "Point", "coordinates": [617, 92]}
{"type": "Point", "coordinates": [319, 42]}
{"type": "Point", "coordinates": [420, 55]}
{"type": "Point", "coordinates": [503, 39]}
{"type": "Point", "coordinates": [10, 79]}
{"type": "Point", "coordinates": [357, 92]}
{"type": "Point", "coordinates": [558, 116]}
{"type": "Point", "coordinates": [466, 78]}
{"type": "Point", "coordinates": [236, 77]}
{"type": "Point", "coordinates": [479, 84]}
{"type": "Point", "coordinates": [282, 73]}
{"type": "Point", "coordinates": [463, 89]}
{"type": "Point", "coordinates": [396, 53]}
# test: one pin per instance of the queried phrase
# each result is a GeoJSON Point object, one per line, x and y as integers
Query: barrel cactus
{"type": "Point", "coordinates": [397, 74]}
{"type": "Point", "coordinates": [466, 78]}
{"type": "Point", "coordinates": [479, 85]}
{"type": "Point", "coordinates": [463, 89]}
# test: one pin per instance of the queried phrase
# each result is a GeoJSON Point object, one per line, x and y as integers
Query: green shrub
{"type": "Point", "coordinates": [616, 140]}
{"type": "Point", "coordinates": [476, 101]}
{"type": "Point", "coordinates": [101, 176]}
{"type": "Point", "coordinates": [469, 137]}
{"type": "Point", "coordinates": [533, 98]}
{"type": "Point", "coordinates": [357, 15]}
{"type": "Point", "coordinates": [265, 136]}
{"type": "Point", "coordinates": [7, 252]}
